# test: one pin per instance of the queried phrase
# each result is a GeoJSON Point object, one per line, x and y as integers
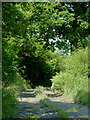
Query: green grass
{"type": "Point", "coordinates": [31, 107]}
{"type": "Point", "coordinates": [61, 113]}
{"type": "Point", "coordinates": [44, 99]}
{"type": "Point", "coordinates": [31, 116]}
{"type": "Point", "coordinates": [74, 109]}
{"type": "Point", "coordinates": [85, 116]}
{"type": "Point", "coordinates": [82, 97]}
{"type": "Point", "coordinates": [41, 96]}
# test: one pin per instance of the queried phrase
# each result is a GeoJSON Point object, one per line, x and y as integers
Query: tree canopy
{"type": "Point", "coordinates": [31, 29]}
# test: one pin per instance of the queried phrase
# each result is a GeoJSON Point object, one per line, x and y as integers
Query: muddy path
{"type": "Point", "coordinates": [31, 108]}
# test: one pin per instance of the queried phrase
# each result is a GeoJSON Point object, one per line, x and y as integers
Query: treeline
{"type": "Point", "coordinates": [29, 30]}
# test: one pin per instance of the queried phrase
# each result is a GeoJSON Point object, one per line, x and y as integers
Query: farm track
{"type": "Point", "coordinates": [31, 108]}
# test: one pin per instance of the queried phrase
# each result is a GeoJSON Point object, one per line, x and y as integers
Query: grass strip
{"type": "Point", "coordinates": [54, 107]}
{"type": "Point", "coordinates": [44, 99]}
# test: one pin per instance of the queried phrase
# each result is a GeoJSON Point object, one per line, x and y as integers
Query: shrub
{"type": "Point", "coordinates": [77, 63]}
{"type": "Point", "coordinates": [74, 78]}
{"type": "Point", "coordinates": [38, 90]}
{"type": "Point", "coordinates": [9, 96]}
{"type": "Point", "coordinates": [9, 104]}
{"type": "Point", "coordinates": [58, 83]}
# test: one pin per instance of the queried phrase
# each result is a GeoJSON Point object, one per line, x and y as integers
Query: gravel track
{"type": "Point", "coordinates": [76, 110]}
{"type": "Point", "coordinates": [29, 105]}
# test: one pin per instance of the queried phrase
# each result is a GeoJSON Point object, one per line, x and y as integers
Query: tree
{"type": "Point", "coordinates": [28, 28]}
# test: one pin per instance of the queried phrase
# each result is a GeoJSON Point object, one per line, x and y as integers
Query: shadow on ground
{"type": "Point", "coordinates": [30, 108]}
{"type": "Point", "coordinates": [75, 110]}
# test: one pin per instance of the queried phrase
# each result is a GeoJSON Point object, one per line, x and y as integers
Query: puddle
{"type": "Point", "coordinates": [74, 109]}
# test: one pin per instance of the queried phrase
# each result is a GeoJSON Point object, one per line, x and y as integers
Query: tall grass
{"type": "Point", "coordinates": [73, 81]}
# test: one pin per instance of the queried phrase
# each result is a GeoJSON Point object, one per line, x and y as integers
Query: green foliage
{"type": "Point", "coordinates": [44, 21]}
{"type": "Point", "coordinates": [31, 116]}
{"type": "Point", "coordinates": [10, 94]}
{"type": "Point", "coordinates": [54, 107]}
{"type": "Point", "coordinates": [38, 90]}
{"type": "Point", "coordinates": [27, 29]}
{"type": "Point", "coordinates": [75, 77]}
{"type": "Point", "coordinates": [9, 104]}
{"type": "Point", "coordinates": [82, 96]}
{"type": "Point", "coordinates": [26, 32]}
{"type": "Point", "coordinates": [78, 62]}
{"type": "Point", "coordinates": [56, 61]}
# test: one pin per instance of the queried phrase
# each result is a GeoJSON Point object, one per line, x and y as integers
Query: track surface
{"type": "Point", "coordinates": [30, 107]}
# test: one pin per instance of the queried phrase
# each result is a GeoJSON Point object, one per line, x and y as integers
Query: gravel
{"type": "Point", "coordinates": [28, 100]}
{"type": "Point", "coordinates": [37, 108]}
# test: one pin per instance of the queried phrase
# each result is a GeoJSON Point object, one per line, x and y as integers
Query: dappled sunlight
{"type": "Point", "coordinates": [84, 116]}
{"type": "Point", "coordinates": [74, 109]}
{"type": "Point", "coordinates": [45, 57]}
{"type": "Point", "coordinates": [30, 107]}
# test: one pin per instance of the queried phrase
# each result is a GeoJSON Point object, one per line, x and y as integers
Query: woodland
{"type": "Point", "coordinates": [44, 44]}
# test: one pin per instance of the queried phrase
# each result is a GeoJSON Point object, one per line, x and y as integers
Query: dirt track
{"type": "Point", "coordinates": [31, 108]}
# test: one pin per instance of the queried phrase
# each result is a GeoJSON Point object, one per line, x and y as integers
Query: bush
{"type": "Point", "coordinates": [9, 96]}
{"type": "Point", "coordinates": [82, 97]}
{"type": "Point", "coordinates": [55, 61]}
{"type": "Point", "coordinates": [74, 78]}
{"type": "Point", "coordinates": [77, 63]}
{"type": "Point", "coordinates": [21, 83]}
{"type": "Point", "coordinates": [38, 90]}
{"type": "Point", "coordinates": [9, 104]}
{"type": "Point", "coordinates": [58, 84]}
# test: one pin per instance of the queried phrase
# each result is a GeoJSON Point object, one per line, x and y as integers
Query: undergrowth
{"type": "Point", "coordinates": [10, 105]}
{"type": "Point", "coordinates": [73, 81]}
